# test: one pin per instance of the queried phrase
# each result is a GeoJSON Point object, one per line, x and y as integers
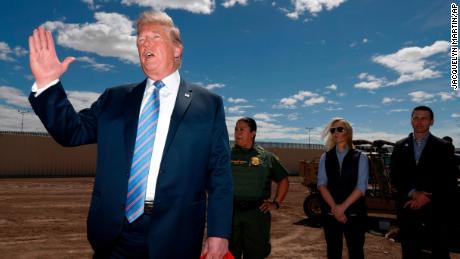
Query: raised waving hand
{"type": "Point", "coordinates": [44, 62]}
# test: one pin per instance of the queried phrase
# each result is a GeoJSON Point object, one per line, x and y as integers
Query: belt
{"type": "Point", "coordinates": [148, 207]}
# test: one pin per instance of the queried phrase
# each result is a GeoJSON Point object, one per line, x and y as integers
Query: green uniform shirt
{"type": "Point", "coordinates": [253, 170]}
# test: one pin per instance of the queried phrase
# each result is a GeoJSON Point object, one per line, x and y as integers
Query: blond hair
{"type": "Point", "coordinates": [326, 134]}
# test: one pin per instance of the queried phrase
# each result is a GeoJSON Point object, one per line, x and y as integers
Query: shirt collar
{"type": "Point", "coordinates": [422, 140]}
{"type": "Point", "coordinates": [171, 82]}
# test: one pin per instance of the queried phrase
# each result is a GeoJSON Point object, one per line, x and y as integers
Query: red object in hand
{"type": "Point", "coordinates": [228, 255]}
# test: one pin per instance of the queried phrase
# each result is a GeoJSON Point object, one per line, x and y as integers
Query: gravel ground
{"type": "Point", "coordinates": [46, 218]}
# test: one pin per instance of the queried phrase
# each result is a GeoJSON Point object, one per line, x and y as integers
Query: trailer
{"type": "Point", "coordinates": [380, 195]}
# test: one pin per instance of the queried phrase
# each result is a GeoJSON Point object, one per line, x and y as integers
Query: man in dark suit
{"type": "Point", "coordinates": [163, 162]}
{"type": "Point", "coordinates": [423, 173]}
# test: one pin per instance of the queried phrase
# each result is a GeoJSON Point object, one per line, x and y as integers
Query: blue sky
{"type": "Point", "coordinates": [289, 64]}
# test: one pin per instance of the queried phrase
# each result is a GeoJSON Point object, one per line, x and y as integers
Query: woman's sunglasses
{"type": "Point", "coordinates": [338, 129]}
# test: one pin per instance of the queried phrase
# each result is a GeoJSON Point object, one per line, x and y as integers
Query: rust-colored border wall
{"type": "Point", "coordinates": [38, 155]}
{"type": "Point", "coordinates": [291, 157]}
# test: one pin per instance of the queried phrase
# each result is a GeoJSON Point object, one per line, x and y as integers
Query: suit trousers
{"type": "Point", "coordinates": [420, 229]}
{"type": "Point", "coordinates": [354, 231]}
{"type": "Point", "coordinates": [132, 242]}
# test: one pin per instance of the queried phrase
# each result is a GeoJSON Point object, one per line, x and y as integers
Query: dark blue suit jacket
{"type": "Point", "coordinates": [434, 173]}
{"type": "Point", "coordinates": [195, 165]}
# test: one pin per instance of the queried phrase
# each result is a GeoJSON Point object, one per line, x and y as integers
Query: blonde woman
{"type": "Point", "coordinates": [342, 181]}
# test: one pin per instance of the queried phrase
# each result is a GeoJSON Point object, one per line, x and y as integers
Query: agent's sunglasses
{"type": "Point", "coordinates": [338, 129]}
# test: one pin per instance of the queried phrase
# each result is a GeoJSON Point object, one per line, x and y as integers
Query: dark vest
{"type": "Point", "coordinates": [341, 183]}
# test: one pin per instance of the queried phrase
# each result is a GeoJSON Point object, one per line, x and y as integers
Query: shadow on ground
{"type": "Point", "coordinates": [383, 226]}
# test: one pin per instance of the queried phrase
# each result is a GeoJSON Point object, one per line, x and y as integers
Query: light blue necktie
{"type": "Point", "coordinates": [146, 131]}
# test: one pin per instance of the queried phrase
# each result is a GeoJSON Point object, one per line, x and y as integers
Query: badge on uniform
{"type": "Point", "coordinates": [255, 161]}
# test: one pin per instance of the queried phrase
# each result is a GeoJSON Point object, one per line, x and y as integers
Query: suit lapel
{"type": "Point", "coordinates": [131, 116]}
{"type": "Point", "coordinates": [184, 97]}
{"type": "Point", "coordinates": [409, 145]}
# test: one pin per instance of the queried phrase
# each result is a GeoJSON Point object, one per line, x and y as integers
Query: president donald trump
{"type": "Point", "coordinates": [163, 163]}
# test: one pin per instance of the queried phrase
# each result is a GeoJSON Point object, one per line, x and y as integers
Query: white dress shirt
{"type": "Point", "coordinates": [168, 95]}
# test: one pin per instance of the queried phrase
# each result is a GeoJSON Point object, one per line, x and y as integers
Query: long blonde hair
{"type": "Point", "coordinates": [326, 134]}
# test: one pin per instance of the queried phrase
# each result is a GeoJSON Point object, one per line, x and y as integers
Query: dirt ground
{"type": "Point", "coordinates": [46, 218]}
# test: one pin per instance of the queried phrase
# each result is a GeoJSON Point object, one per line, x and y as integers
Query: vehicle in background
{"type": "Point", "coordinates": [380, 195]}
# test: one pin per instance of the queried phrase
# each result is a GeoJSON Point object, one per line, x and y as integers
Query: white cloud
{"type": "Point", "coordinates": [332, 87]}
{"type": "Point", "coordinates": [377, 135]}
{"type": "Point", "coordinates": [6, 52]}
{"type": "Point", "coordinates": [373, 106]}
{"type": "Point", "coordinates": [231, 3]}
{"type": "Point", "coordinates": [112, 35]}
{"type": "Point", "coordinates": [270, 131]}
{"type": "Point", "coordinates": [399, 110]}
{"type": "Point", "coordinates": [421, 96]}
{"type": "Point", "coordinates": [96, 66]}
{"type": "Point", "coordinates": [91, 4]}
{"type": "Point", "coordinates": [14, 96]}
{"type": "Point", "coordinates": [412, 63]}
{"type": "Point", "coordinates": [334, 109]}
{"type": "Point", "coordinates": [308, 98]}
{"type": "Point", "coordinates": [194, 6]}
{"type": "Point", "coordinates": [365, 40]}
{"type": "Point", "coordinates": [238, 109]}
{"type": "Point", "coordinates": [82, 99]}
{"type": "Point", "coordinates": [314, 100]}
{"type": "Point", "coordinates": [20, 51]}
{"type": "Point", "coordinates": [446, 96]}
{"type": "Point", "coordinates": [312, 6]}
{"type": "Point", "coordinates": [288, 102]}
{"type": "Point", "coordinates": [455, 115]}
{"type": "Point", "coordinates": [387, 100]}
{"type": "Point", "coordinates": [266, 116]}
{"type": "Point", "coordinates": [267, 131]}
{"type": "Point", "coordinates": [371, 82]}
{"type": "Point", "coordinates": [293, 116]}
{"type": "Point", "coordinates": [213, 86]}
{"type": "Point", "coordinates": [18, 113]}
{"type": "Point", "coordinates": [11, 119]}
{"type": "Point", "coordinates": [237, 100]}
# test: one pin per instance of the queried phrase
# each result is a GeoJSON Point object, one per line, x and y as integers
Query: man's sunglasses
{"type": "Point", "coordinates": [338, 129]}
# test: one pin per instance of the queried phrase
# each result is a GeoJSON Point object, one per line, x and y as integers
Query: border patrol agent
{"type": "Point", "coordinates": [254, 169]}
